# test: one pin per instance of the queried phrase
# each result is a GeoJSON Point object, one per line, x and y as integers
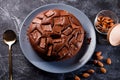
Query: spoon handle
{"type": "Point", "coordinates": [10, 63]}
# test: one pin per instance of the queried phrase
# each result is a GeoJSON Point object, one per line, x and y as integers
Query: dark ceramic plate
{"type": "Point", "coordinates": [63, 66]}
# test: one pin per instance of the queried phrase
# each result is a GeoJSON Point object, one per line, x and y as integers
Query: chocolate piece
{"type": "Point", "coordinates": [64, 21]}
{"type": "Point", "coordinates": [42, 42]}
{"type": "Point", "coordinates": [36, 35]}
{"type": "Point", "coordinates": [57, 40]}
{"type": "Point", "coordinates": [57, 29]}
{"type": "Point", "coordinates": [36, 20]}
{"type": "Point", "coordinates": [49, 13]}
{"type": "Point", "coordinates": [67, 31]}
{"type": "Point", "coordinates": [55, 35]}
{"type": "Point", "coordinates": [74, 26]}
{"type": "Point", "coordinates": [64, 13]}
{"type": "Point", "coordinates": [50, 50]}
{"type": "Point", "coordinates": [63, 52]}
{"type": "Point", "coordinates": [47, 27]}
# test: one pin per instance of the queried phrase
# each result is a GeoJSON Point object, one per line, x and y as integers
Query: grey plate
{"type": "Point", "coordinates": [63, 66]}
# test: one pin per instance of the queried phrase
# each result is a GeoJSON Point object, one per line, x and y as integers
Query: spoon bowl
{"type": "Point", "coordinates": [9, 37]}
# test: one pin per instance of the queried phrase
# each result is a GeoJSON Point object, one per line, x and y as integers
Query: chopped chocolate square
{"type": "Point", "coordinates": [42, 42]}
{"type": "Point", "coordinates": [35, 35]}
{"type": "Point", "coordinates": [63, 52]}
{"type": "Point", "coordinates": [67, 31]}
{"type": "Point", "coordinates": [47, 27]}
{"type": "Point", "coordinates": [49, 13]}
{"type": "Point", "coordinates": [57, 28]}
{"type": "Point", "coordinates": [36, 20]}
{"type": "Point", "coordinates": [50, 50]}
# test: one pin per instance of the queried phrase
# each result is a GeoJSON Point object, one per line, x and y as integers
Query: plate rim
{"type": "Point", "coordinates": [57, 4]}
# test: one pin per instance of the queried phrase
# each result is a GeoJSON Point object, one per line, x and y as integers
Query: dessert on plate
{"type": "Point", "coordinates": [55, 35]}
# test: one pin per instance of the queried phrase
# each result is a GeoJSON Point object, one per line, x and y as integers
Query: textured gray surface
{"type": "Point", "coordinates": [17, 10]}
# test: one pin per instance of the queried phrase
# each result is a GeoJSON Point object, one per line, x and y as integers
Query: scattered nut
{"type": "Point", "coordinates": [99, 57]}
{"type": "Point", "coordinates": [98, 53]}
{"type": "Point", "coordinates": [86, 75]}
{"type": "Point", "coordinates": [91, 71]}
{"type": "Point", "coordinates": [103, 70]}
{"type": "Point", "coordinates": [77, 78]}
{"type": "Point", "coordinates": [108, 61]}
{"type": "Point", "coordinates": [100, 64]}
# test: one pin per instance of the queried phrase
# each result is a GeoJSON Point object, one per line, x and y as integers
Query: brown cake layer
{"type": "Point", "coordinates": [56, 34]}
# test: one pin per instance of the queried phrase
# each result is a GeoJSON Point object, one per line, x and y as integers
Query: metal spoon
{"type": "Point", "coordinates": [9, 38]}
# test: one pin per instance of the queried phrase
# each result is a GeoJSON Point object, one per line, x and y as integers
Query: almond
{"type": "Point", "coordinates": [98, 53]}
{"type": "Point", "coordinates": [103, 70]}
{"type": "Point", "coordinates": [85, 75]}
{"type": "Point", "coordinates": [99, 57]}
{"type": "Point", "coordinates": [77, 78]}
{"type": "Point", "coordinates": [108, 61]}
{"type": "Point", "coordinates": [91, 71]}
{"type": "Point", "coordinates": [100, 64]}
{"type": "Point", "coordinates": [104, 22]}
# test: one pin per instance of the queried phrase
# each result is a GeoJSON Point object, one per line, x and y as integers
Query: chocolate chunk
{"type": "Point", "coordinates": [58, 46]}
{"type": "Point", "coordinates": [73, 46]}
{"type": "Point", "coordinates": [57, 29]}
{"type": "Point", "coordinates": [47, 27]}
{"type": "Point", "coordinates": [57, 40]}
{"type": "Point", "coordinates": [39, 28]}
{"type": "Point", "coordinates": [72, 39]}
{"type": "Point", "coordinates": [50, 50]}
{"type": "Point", "coordinates": [74, 20]}
{"type": "Point", "coordinates": [74, 26]}
{"type": "Point", "coordinates": [58, 21]}
{"type": "Point", "coordinates": [49, 13]}
{"type": "Point", "coordinates": [63, 52]}
{"type": "Point", "coordinates": [61, 21]}
{"type": "Point", "coordinates": [36, 20]}
{"type": "Point", "coordinates": [35, 35]}
{"type": "Point", "coordinates": [67, 31]}
{"type": "Point", "coordinates": [80, 37]}
{"type": "Point", "coordinates": [49, 40]}
{"type": "Point", "coordinates": [32, 28]}
{"type": "Point", "coordinates": [56, 13]}
{"type": "Point", "coordinates": [47, 21]}
{"type": "Point", "coordinates": [64, 13]}
{"type": "Point", "coordinates": [42, 42]}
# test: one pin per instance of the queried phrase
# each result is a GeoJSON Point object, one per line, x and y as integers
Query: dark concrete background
{"type": "Point", "coordinates": [12, 11]}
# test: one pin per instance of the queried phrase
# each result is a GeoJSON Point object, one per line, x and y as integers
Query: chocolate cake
{"type": "Point", "coordinates": [56, 35]}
